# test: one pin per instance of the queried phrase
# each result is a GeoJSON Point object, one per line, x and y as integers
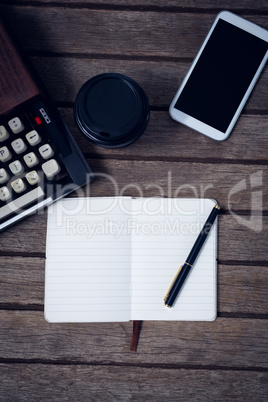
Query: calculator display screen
{"type": "Point", "coordinates": [222, 75]}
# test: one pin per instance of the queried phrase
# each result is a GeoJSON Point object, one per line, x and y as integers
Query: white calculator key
{"type": "Point", "coordinates": [33, 137]}
{"type": "Point", "coordinates": [46, 151]}
{"type": "Point", "coordinates": [4, 193]}
{"type": "Point", "coordinates": [18, 146]}
{"type": "Point", "coordinates": [51, 168]}
{"type": "Point", "coordinates": [3, 134]}
{"type": "Point", "coordinates": [30, 159]}
{"type": "Point", "coordinates": [3, 176]}
{"type": "Point", "coordinates": [18, 185]}
{"type": "Point", "coordinates": [16, 167]}
{"type": "Point", "coordinates": [32, 177]}
{"type": "Point", "coordinates": [16, 125]}
{"type": "Point", "coordinates": [5, 155]}
{"type": "Point", "coordinates": [20, 202]}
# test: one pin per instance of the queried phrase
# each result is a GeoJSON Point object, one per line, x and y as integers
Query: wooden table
{"type": "Point", "coordinates": [153, 42]}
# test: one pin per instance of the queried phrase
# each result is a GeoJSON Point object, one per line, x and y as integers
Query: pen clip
{"type": "Point", "coordinates": [172, 283]}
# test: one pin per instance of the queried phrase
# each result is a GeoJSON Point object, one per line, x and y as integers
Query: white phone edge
{"type": "Point", "coordinates": [197, 124]}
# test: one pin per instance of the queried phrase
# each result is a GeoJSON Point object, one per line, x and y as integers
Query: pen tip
{"type": "Point", "coordinates": [167, 305]}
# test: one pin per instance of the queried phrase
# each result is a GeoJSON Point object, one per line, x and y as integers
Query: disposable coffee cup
{"type": "Point", "coordinates": [112, 110]}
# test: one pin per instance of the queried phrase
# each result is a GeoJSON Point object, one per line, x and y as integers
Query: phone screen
{"type": "Point", "coordinates": [222, 75]}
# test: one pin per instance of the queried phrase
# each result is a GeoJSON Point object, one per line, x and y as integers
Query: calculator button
{"type": "Point", "coordinates": [51, 168]}
{"type": "Point", "coordinates": [3, 134]}
{"type": "Point", "coordinates": [3, 176]}
{"type": "Point", "coordinates": [32, 177]}
{"type": "Point", "coordinates": [18, 146]}
{"type": "Point", "coordinates": [16, 167]}
{"type": "Point", "coordinates": [4, 193]}
{"type": "Point", "coordinates": [16, 125]}
{"type": "Point", "coordinates": [5, 155]}
{"type": "Point", "coordinates": [18, 186]}
{"type": "Point", "coordinates": [21, 201]}
{"type": "Point", "coordinates": [33, 137]}
{"type": "Point", "coordinates": [46, 151]}
{"type": "Point", "coordinates": [30, 159]}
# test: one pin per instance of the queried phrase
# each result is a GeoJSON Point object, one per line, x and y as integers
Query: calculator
{"type": "Point", "coordinates": [40, 162]}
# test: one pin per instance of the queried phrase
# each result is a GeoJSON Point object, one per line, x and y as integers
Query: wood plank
{"type": "Point", "coordinates": [229, 184]}
{"type": "Point", "coordinates": [241, 237]}
{"type": "Point", "coordinates": [160, 80]}
{"type": "Point", "coordinates": [111, 383]}
{"type": "Point", "coordinates": [126, 33]}
{"type": "Point", "coordinates": [225, 342]}
{"type": "Point", "coordinates": [160, 4]}
{"type": "Point", "coordinates": [235, 187]}
{"type": "Point", "coordinates": [241, 289]}
{"type": "Point", "coordinates": [165, 139]}
{"type": "Point", "coordinates": [22, 281]}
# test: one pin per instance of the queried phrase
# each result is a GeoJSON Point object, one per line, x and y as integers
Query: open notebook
{"type": "Point", "coordinates": [114, 258]}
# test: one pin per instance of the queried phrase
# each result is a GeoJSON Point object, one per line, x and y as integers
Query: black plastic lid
{"type": "Point", "coordinates": [112, 110]}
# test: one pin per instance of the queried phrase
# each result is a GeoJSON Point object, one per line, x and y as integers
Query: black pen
{"type": "Point", "coordinates": [184, 270]}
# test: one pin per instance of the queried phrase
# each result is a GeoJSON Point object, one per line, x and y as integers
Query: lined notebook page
{"type": "Point", "coordinates": [113, 259]}
{"type": "Point", "coordinates": [88, 265]}
{"type": "Point", "coordinates": [162, 237]}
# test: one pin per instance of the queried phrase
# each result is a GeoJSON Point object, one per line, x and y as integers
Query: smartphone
{"type": "Point", "coordinates": [221, 77]}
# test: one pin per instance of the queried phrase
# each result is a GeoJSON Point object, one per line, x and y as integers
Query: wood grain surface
{"type": "Point", "coordinates": [117, 383]}
{"type": "Point", "coordinates": [160, 78]}
{"type": "Point", "coordinates": [153, 42]}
